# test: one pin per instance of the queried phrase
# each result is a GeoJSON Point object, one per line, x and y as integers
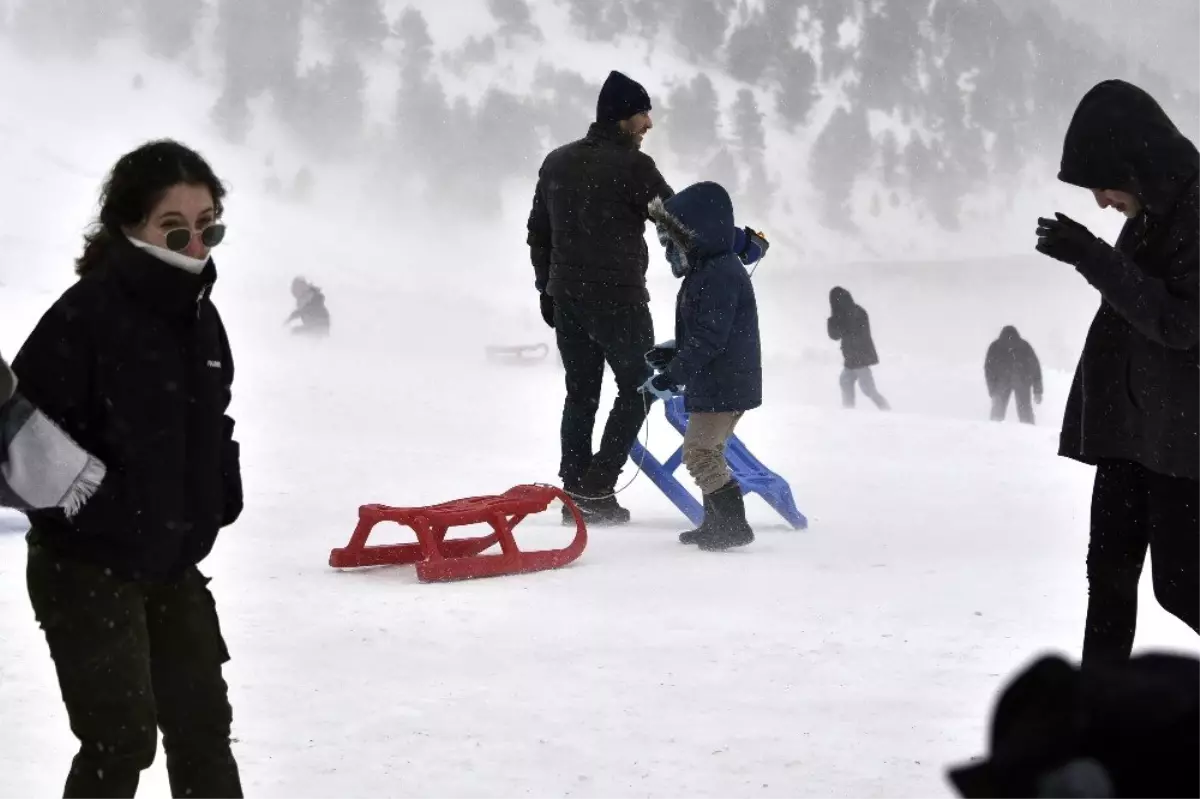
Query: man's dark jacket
{"type": "Point", "coordinates": [133, 363]}
{"type": "Point", "coordinates": [850, 324]}
{"type": "Point", "coordinates": [1135, 395]}
{"type": "Point", "coordinates": [719, 357]}
{"type": "Point", "coordinates": [1012, 363]}
{"type": "Point", "coordinates": [588, 222]}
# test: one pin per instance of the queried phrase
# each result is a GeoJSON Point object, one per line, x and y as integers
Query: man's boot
{"type": "Point", "coordinates": [599, 509]}
{"type": "Point", "coordinates": [729, 527]}
{"type": "Point", "coordinates": [693, 536]}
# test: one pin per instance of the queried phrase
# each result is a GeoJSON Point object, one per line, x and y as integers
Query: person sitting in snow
{"type": "Point", "coordinates": [717, 363]}
{"type": "Point", "coordinates": [41, 467]}
{"type": "Point", "coordinates": [310, 309]}
{"type": "Point", "coordinates": [1012, 368]}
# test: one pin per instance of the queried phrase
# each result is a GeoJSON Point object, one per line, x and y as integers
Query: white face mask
{"type": "Point", "coordinates": [176, 259]}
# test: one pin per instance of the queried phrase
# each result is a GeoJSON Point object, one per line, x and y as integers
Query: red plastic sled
{"type": "Point", "coordinates": [459, 559]}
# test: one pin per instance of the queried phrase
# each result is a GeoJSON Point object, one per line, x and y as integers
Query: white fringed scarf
{"type": "Point", "coordinates": [40, 465]}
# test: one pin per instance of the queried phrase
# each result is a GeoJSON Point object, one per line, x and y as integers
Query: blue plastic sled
{"type": "Point", "coordinates": [752, 476]}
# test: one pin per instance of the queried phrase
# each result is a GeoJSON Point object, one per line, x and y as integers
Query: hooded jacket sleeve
{"type": "Point", "coordinates": [707, 322]}
{"type": "Point", "coordinates": [538, 237]}
{"type": "Point", "coordinates": [1164, 310]}
{"type": "Point", "coordinates": [54, 368]}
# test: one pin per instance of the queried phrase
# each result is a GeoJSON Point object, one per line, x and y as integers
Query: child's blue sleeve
{"type": "Point", "coordinates": [708, 321]}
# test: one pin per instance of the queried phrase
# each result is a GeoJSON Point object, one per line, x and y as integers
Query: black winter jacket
{"type": "Point", "coordinates": [1135, 395]}
{"type": "Point", "coordinates": [1012, 363]}
{"type": "Point", "coordinates": [850, 324]}
{"type": "Point", "coordinates": [134, 364]}
{"type": "Point", "coordinates": [588, 222]}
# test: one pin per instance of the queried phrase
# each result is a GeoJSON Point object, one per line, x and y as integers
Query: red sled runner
{"type": "Point", "coordinates": [439, 560]}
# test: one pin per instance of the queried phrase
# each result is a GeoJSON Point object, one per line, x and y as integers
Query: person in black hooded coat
{"type": "Point", "coordinates": [1012, 369]}
{"type": "Point", "coordinates": [1134, 406]}
{"type": "Point", "coordinates": [850, 324]}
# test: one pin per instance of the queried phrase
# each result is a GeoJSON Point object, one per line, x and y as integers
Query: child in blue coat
{"type": "Point", "coordinates": [716, 360]}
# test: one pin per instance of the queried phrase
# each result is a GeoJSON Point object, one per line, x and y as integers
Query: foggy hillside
{"type": "Point", "coordinates": [848, 130]}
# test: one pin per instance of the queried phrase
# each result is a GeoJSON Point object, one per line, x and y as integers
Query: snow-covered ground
{"type": "Point", "coordinates": [859, 657]}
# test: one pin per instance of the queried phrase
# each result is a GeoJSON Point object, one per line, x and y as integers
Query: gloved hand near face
{"type": "Point", "coordinates": [1066, 240]}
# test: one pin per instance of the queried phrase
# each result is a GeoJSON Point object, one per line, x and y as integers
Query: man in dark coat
{"type": "Point", "coordinates": [717, 361]}
{"type": "Point", "coordinates": [850, 324]}
{"type": "Point", "coordinates": [1134, 406]}
{"type": "Point", "coordinates": [1011, 368]}
{"type": "Point", "coordinates": [1121, 729]}
{"type": "Point", "coordinates": [587, 244]}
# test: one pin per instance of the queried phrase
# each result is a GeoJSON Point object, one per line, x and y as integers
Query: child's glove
{"type": "Point", "coordinates": [661, 387]}
{"type": "Point", "coordinates": [750, 245]}
{"type": "Point", "coordinates": [661, 356]}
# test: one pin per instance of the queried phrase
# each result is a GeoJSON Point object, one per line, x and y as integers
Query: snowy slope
{"type": "Point", "coordinates": [859, 657]}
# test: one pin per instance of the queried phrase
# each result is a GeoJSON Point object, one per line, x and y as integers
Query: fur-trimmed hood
{"type": "Point", "coordinates": [697, 220]}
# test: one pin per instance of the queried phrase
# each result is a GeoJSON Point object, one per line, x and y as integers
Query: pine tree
{"type": "Point", "coordinates": [797, 86]}
{"type": "Point", "coordinates": [515, 18]}
{"type": "Point", "coordinates": [254, 64]}
{"type": "Point", "coordinates": [700, 27]}
{"type": "Point", "coordinates": [748, 123]}
{"type": "Point", "coordinates": [169, 26]}
{"type": "Point", "coordinates": [359, 24]}
{"type": "Point", "coordinates": [693, 117]}
{"type": "Point", "coordinates": [840, 154]}
{"type": "Point", "coordinates": [67, 26]}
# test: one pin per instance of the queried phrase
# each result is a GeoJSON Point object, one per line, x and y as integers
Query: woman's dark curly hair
{"type": "Point", "coordinates": [136, 184]}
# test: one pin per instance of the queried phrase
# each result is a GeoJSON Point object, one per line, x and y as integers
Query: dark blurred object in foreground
{"type": "Point", "coordinates": [1115, 730]}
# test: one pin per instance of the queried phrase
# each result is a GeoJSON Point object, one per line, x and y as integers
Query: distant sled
{"type": "Point", "coordinates": [517, 355]}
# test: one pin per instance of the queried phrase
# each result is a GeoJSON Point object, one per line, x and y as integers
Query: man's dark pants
{"type": "Point", "coordinates": [590, 334]}
{"type": "Point", "coordinates": [133, 657]}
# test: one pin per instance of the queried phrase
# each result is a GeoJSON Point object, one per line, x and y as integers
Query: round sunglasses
{"type": "Point", "coordinates": [179, 238]}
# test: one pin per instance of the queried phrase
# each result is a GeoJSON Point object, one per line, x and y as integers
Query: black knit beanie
{"type": "Point", "coordinates": [621, 97]}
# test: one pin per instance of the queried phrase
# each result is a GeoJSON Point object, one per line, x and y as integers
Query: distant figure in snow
{"type": "Point", "coordinates": [310, 309]}
{"type": "Point", "coordinates": [849, 324]}
{"type": "Point", "coordinates": [1012, 368]}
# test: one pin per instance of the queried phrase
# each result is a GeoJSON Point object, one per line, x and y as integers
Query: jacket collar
{"type": "Point", "coordinates": [167, 289]}
{"type": "Point", "coordinates": [610, 132]}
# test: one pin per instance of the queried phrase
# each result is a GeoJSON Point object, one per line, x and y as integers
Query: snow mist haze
{"type": "Point", "coordinates": [387, 151]}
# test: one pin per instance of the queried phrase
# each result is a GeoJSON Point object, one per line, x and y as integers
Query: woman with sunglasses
{"type": "Point", "coordinates": [133, 363]}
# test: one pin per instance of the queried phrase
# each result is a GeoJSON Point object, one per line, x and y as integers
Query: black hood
{"type": "Point", "coordinates": [1009, 333]}
{"type": "Point", "coordinates": [1120, 138]}
{"type": "Point", "coordinates": [840, 300]}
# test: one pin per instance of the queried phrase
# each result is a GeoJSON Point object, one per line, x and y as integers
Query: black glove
{"type": "Point", "coordinates": [661, 356]}
{"type": "Point", "coordinates": [661, 386]}
{"type": "Point", "coordinates": [547, 309]}
{"type": "Point", "coordinates": [1065, 239]}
